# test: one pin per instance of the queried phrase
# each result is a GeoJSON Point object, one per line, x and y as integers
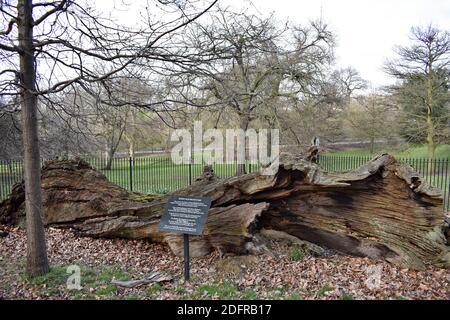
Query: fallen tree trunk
{"type": "Point", "coordinates": [382, 210]}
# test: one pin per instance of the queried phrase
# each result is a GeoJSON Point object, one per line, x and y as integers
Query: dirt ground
{"type": "Point", "coordinates": [290, 273]}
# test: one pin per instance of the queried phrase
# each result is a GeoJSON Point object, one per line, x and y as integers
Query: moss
{"type": "Point", "coordinates": [346, 296]}
{"type": "Point", "coordinates": [108, 290]}
{"type": "Point", "coordinates": [249, 294]}
{"type": "Point", "coordinates": [296, 254]}
{"type": "Point", "coordinates": [94, 282]}
{"type": "Point", "coordinates": [153, 289]}
{"type": "Point", "coordinates": [280, 292]}
{"type": "Point", "coordinates": [55, 277]}
{"type": "Point", "coordinates": [295, 296]}
{"type": "Point", "coordinates": [224, 290]}
{"type": "Point", "coordinates": [180, 290]}
{"type": "Point", "coordinates": [321, 292]}
{"type": "Point", "coordinates": [209, 289]}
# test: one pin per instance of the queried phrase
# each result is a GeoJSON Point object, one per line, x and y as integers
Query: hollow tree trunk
{"type": "Point", "coordinates": [383, 210]}
{"type": "Point", "coordinates": [37, 262]}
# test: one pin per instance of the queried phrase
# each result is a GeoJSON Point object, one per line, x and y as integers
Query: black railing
{"type": "Point", "coordinates": [152, 174]}
{"type": "Point", "coordinates": [158, 174]}
{"type": "Point", "coordinates": [11, 171]}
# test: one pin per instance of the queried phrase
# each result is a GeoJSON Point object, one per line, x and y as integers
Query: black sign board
{"type": "Point", "coordinates": [186, 215]}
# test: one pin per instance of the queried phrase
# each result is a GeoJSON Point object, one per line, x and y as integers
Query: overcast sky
{"type": "Point", "coordinates": [367, 30]}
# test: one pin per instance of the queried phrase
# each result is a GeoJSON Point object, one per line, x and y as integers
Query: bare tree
{"type": "Point", "coordinates": [252, 63]}
{"type": "Point", "coordinates": [423, 69]}
{"type": "Point", "coordinates": [371, 117]}
{"type": "Point", "coordinates": [9, 131]}
{"type": "Point", "coordinates": [347, 82]}
{"type": "Point", "coordinates": [318, 112]}
{"type": "Point", "coordinates": [59, 44]}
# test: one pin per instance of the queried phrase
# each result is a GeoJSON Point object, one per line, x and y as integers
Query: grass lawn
{"type": "Point", "coordinates": [406, 150]}
{"type": "Point", "coordinates": [158, 174]}
{"type": "Point", "coordinates": [150, 174]}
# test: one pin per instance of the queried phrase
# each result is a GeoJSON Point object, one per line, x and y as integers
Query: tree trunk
{"type": "Point", "coordinates": [132, 151]}
{"type": "Point", "coordinates": [109, 158]}
{"type": "Point", "coordinates": [430, 145]}
{"type": "Point", "coordinates": [37, 262]}
{"type": "Point", "coordinates": [430, 136]}
{"type": "Point", "coordinates": [10, 168]}
{"type": "Point", "coordinates": [383, 210]}
{"type": "Point", "coordinates": [430, 126]}
{"type": "Point", "coordinates": [112, 147]}
{"type": "Point", "coordinates": [130, 135]}
{"type": "Point", "coordinates": [430, 122]}
{"type": "Point", "coordinates": [244, 121]}
{"type": "Point", "coordinates": [372, 145]}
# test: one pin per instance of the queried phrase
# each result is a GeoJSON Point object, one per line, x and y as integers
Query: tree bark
{"type": "Point", "coordinates": [131, 137]}
{"type": "Point", "coordinates": [244, 121]}
{"type": "Point", "coordinates": [131, 150]}
{"type": "Point", "coordinates": [430, 144]}
{"type": "Point", "coordinates": [37, 262]}
{"type": "Point", "coordinates": [111, 143]}
{"type": "Point", "coordinates": [430, 122]}
{"type": "Point", "coordinates": [109, 158]}
{"type": "Point", "coordinates": [372, 145]}
{"type": "Point", "coordinates": [112, 148]}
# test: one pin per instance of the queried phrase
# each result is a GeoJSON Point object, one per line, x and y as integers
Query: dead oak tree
{"type": "Point", "coordinates": [383, 210]}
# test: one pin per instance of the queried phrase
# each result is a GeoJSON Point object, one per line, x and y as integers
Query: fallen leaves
{"type": "Point", "coordinates": [333, 276]}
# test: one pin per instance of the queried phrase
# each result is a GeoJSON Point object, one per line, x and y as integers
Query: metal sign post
{"type": "Point", "coordinates": [185, 215]}
{"type": "Point", "coordinates": [186, 257]}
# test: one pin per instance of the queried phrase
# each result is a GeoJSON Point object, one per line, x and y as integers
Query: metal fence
{"type": "Point", "coordinates": [158, 174]}
{"type": "Point", "coordinates": [152, 174]}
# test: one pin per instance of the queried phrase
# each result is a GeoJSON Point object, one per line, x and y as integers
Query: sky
{"type": "Point", "coordinates": [366, 30]}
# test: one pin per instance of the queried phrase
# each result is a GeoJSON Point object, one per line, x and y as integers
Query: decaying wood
{"type": "Point", "coordinates": [3, 233]}
{"type": "Point", "coordinates": [382, 210]}
{"type": "Point", "coordinates": [284, 236]}
{"type": "Point", "coordinates": [79, 197]}
{"type": "Point", "coordinates": [152, 278]}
